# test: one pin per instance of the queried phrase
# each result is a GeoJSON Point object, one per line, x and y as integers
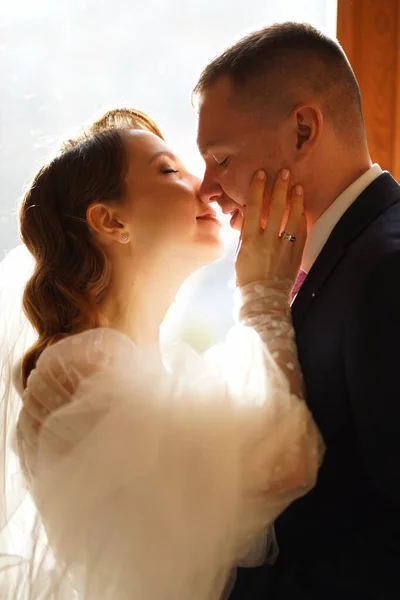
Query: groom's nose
{"type": "Point", "coordinates": [210, 190]}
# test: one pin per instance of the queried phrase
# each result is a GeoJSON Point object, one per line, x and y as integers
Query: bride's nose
{"type": "Point", "coordinates": [196, 188]}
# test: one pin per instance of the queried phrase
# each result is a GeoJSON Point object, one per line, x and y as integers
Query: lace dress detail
{"type": "Point", "coordinates": [265, 307]}
{"type": "Point", "coordinates": [154, 478]}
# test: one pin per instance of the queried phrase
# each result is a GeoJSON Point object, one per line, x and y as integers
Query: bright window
{"type": "Point", "coordinates": [64, 61]}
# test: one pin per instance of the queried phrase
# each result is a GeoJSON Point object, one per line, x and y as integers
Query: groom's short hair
{"type": "Point", "coordinates": [284, 63]}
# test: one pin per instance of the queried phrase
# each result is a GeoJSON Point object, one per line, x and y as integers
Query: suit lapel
{"type": "Point", "coordinates": [375, 199]}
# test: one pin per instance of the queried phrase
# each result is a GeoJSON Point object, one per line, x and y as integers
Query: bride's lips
{"type": "Point", "coordinates": [210, 216]}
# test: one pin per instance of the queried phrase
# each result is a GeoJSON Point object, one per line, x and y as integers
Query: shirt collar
{"type": "Point", "coordinates": [323, 227]}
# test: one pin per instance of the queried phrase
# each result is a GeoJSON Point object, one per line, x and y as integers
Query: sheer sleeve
{"type": "Point", "coordinates": [152, 475]}
{"type": "Point", "coordinates": [265, 307]}
{"type": "Point", "coordinates": [282, 448]}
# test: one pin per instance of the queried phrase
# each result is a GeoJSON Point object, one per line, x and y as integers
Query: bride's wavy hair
{"type": "Point", "coordinates": [71, 271]}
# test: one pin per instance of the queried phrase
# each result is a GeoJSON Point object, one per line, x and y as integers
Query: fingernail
{"type": "Point", "coordinates": [285, 174]}
{"type": "Point", "coordinates": [260, 175]}
{"type": "Point", "coordinates": [298, 190]}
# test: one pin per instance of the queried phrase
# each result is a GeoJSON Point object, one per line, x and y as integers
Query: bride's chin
{"type": "Point", "coordinates": [213, 249]}
{"type": "Point", "coordinates": [205, 253]}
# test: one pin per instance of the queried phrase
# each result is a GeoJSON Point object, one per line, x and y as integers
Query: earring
{"type": "Point", "coordinates": [124, 237]}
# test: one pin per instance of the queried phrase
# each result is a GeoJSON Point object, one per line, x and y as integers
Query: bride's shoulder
{"type": "Point", "coordinates": [100, 346]}
{"type": "Point", "coordinates": [97, 336]}
{"type": "Point", "coordinates": [100, 357]}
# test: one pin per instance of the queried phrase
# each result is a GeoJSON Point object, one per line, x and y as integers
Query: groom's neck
{"type": "Point", "coordinates": [329, 178]}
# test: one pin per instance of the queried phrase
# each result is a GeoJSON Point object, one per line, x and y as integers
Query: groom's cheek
{"type": "Point", "coordinates": [236, 183]}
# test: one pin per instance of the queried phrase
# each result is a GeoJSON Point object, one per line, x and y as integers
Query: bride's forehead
{"type": "Point", "coordinates": [143, 143]}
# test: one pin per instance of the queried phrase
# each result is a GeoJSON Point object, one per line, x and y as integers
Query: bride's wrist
{"type": "Point", "coordinates": [265, 289]}
{"type": "Point", "coordinates": [263, 297]}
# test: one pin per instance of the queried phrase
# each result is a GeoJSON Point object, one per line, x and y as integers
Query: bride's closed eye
{"type": "Point", "coordinates": [167, 169]}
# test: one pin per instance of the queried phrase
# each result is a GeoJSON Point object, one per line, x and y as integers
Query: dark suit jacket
{"type": "Point", "coordinates": [342, 540]}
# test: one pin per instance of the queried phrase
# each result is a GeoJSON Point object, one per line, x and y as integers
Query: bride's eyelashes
{"type": "Point", "coordinates": [167, 169]}
{"type": "Point", "coordinates": [173, 167]}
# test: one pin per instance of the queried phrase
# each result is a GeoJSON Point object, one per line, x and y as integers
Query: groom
{"type": "Point", "coordinates": [286, 96]}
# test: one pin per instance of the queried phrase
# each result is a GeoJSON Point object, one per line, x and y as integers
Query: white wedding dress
{"type": "Point", "coordinates": [155, 473]}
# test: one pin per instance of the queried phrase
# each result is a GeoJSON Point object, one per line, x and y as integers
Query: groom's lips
{"type": "Point", "coordinates": [228, 209]}
{"type": "Point", "coordinates": [236, 212]}
{"type": "Point", "coordinates": [235, 215]}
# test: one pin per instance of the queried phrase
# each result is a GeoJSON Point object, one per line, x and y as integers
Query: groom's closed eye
{"type": "Point", "coordinates": [222, 163]}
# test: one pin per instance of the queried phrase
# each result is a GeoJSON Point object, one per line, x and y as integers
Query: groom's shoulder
{"type": "Point", "coordinates": [377, 248]}
{"type": "Point", "coordinates": [382, 200]}
{"type": "Point", "coordinates": [383, 185]}
{"type": "Point", "coordinates": [378, 208]}
{"type": "Point", "coordinates": [373, 219]}
{"type": "Point", "coordinates": [375, 242]}
{"type": "Point", "coordinates": [383, 232]}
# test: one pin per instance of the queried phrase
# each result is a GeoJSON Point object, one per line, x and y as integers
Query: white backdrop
{"type": "Point", "coordinates": [61, 61]}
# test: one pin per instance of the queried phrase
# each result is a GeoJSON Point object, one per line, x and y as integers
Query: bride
{"type": "Point", "coordinates": [153, 472]}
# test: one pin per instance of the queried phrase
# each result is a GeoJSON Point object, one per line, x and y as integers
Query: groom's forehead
{"type": "Point", "coordinates": [219, 120]}
{"type": "Point", "coordinates": [216, 98]}
{"type": "Point", "coordinates": [210, 137]}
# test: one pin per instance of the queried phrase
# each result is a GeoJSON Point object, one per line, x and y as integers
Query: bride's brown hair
{"type": "Point", "coordinates": [72, 272]}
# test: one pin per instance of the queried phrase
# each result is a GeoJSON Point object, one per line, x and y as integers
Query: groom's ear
{"type": "Point", "coordinates": [308, 122]}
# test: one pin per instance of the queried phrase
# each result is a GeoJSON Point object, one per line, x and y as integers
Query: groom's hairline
{"type": "Point", "coordinates": [269, 43]}
{"type": "Point", "coordinates": [256, 61]}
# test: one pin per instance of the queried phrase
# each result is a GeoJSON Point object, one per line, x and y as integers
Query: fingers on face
{"type": "Point", "coordinates": [278, 203]}
{"type": "Point", "coordinates": [301, 236]}
{"type": "Point", "coordinates": [296, 224]}
{"type": "Point", "coordinates": [252, 221]}
{"type": "Point", "coordinates": [296, 210]}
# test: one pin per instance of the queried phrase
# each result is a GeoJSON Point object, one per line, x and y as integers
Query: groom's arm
{"type": "Point", "coordinates": [372, 358]}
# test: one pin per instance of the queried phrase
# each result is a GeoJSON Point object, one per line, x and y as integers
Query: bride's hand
{"type": "Point", "coordinates": [265, 254]}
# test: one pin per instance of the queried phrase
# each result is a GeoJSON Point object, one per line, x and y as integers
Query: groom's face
{"type": "Point", "coordinates": [235, 141]}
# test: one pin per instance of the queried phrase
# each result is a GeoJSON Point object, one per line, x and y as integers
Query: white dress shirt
{"type": "Point", "coordinates": [322, 229]}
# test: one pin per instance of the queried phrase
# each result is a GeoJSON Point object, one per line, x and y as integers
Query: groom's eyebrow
{"type": "Point", "coordinates": [162, 153]}
{"type": "Point", "coordinates": [207, 147]}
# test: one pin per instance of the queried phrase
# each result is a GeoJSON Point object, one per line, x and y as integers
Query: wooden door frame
{"type": "Point", "coordinates": [369, 32]}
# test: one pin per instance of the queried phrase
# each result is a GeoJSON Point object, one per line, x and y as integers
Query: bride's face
{"type": "Point", "coordinates": [162, 204]}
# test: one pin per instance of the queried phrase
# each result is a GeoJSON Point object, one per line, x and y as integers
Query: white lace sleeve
{"type": "Point", "coordinates": [264, 306]}
{"type": "Point", "coordinates": [283, 446]}
{"type": "Point", "coordinates": [152, 479]}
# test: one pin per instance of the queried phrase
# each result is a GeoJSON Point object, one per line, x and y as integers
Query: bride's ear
{"type": "Point", "coordinates": [308, 123]}
{"type": "Point", "coordinates": [106, 223]}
